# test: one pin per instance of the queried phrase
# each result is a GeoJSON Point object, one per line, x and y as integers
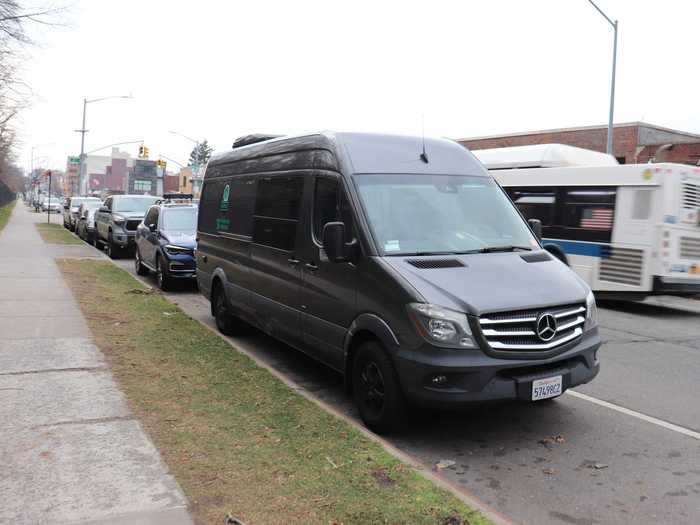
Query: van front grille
{"type": "Point", "coordinates": [533, 330]}
{"type": "Point", "coordinates": [621, 265]}
{"type": "Point", "coordinates": [132, 224]}
{"type": "Point", "coordinates": [690, 248]}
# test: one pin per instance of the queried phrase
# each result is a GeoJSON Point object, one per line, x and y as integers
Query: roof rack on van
{"type": "Point", "coordinates": [247, 140]}
{"type": "Point", "coordinates": [170, 197]}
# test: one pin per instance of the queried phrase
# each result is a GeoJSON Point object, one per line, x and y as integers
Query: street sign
{"type": "Point", "coordinates": [73, 160]}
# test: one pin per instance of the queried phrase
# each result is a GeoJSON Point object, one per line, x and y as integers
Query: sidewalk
{"type": "Point", "coordinates": [70, 451]}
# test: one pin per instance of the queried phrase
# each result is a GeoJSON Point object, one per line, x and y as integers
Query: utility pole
{"type": "Point", "coordinates": [614, 25]}
{"type": "Point", "coordinates": [48, 204]}
{"type": "Point", "coordinates": [82, 132]}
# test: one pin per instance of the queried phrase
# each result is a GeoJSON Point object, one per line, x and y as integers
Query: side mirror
{"type": "Point", "coordinates": [152, 227]}
{"type": "Point", "coordinates": [65, 206]}
{"type": "Point", "coordinates": [334, 243]}
{"type": "Point", "coordinates": [536, 227]}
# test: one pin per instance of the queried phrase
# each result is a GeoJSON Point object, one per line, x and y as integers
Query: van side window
{"type": "Point", "coordinates": [330, 205]}
{"type": "Point", "coordinates": [277, 211]}
{"type": "Point", "coordinates": [209, 204]}
{"type": "Point", "coordinates": [242, 205]}
{"type": "Point", "coordinates": [108, 204]}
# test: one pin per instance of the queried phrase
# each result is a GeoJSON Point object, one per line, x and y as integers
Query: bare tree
{"type": "Point", "coordinates": [15, 19]}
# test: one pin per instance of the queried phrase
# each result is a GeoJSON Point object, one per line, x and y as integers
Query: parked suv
{"type": "Point", "coordinates": [70, 210]}
{"type": "Point", "coordinates": [400, 263]}
{"type": "Point", "coordinates": [117, 220]}
{"type": "Point", "coordinates": [165, 240]}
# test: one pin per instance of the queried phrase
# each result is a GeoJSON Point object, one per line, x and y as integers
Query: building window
{"type": "Point", "coordinates": [184, 180]}
{"type": "Point", "coordinates": [621, 160]}
{"type": "Point", "coordinates": [142, 185]}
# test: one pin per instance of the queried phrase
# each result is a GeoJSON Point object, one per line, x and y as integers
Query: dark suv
{"type": "Point", "coordinates": [116, 221]}
{"type": "Point", "coordinates": [165, 240]}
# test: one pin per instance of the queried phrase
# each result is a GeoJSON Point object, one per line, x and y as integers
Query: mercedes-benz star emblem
{"type": "Point", "coordinates": [546, 327]}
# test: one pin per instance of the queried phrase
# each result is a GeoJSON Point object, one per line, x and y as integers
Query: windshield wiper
{"type": "Point", "coordinates": [507, 248]}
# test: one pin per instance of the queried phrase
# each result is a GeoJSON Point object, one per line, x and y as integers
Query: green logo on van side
{"type": "Point", "coordinates": [224, 198]}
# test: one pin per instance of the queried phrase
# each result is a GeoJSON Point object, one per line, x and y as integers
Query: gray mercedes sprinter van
{"type": "Point", "coordinates": [397, 261]}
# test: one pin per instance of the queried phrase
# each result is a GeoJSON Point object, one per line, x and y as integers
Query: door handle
{"type": "Point", "coordinates": [311, 266]}
{"type": "Point", "coordinates": [293, 261]}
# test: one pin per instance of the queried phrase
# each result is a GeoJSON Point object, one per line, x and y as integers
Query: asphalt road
{"type": "Point", "coordinates": [623, 449]}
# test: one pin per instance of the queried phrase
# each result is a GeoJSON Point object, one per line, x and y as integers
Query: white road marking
{"type": "Point", "coordinates": [638, 415]}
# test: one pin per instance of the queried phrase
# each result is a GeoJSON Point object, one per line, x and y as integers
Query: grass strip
{"type": "Point", "coordinates": [56, 234]}
{"type": "Point", "coordinates": [236, 438]}
{"type": "Point", "coordinates": [5, 212]}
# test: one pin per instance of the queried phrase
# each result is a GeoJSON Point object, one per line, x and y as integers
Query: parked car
{"type": "Point", "coordinates": [85, 228]}
{"type": "Point", "coordinates": [70, 210]}
{"type": "Point", "coordinates": [116, 222]}
{"type": "Point", "coordinates": [398, 262]}
{"type": "Point", "coordinates": [52, 204]}
{"type": "Point", "coordinates": [165, 240]}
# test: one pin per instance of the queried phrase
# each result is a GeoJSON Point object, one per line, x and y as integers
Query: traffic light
{"type": "Point", "coordinates": [162, 163]}
{"type": "Point", "coordinates": [141, 148]}
{"type": "Point", "coordinates": [145, 152]}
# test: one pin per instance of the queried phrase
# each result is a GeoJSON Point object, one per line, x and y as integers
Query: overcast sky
{"type": "Point", "coordinates": [220, 69]}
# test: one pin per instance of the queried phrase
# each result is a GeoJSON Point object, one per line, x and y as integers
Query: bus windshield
{"type": "Point", "coordinates": [436, 214]}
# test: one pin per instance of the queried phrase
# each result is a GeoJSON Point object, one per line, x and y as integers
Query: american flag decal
{"type": "Point", "coordinates": [597, 219]}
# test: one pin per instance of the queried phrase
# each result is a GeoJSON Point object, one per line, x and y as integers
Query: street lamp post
{"type": "Point", "coordinates": [195, 166]}
{"type": "Point", "coordinates": [82, 187]}
{"type": "Point", "coordinates": [614, 25]}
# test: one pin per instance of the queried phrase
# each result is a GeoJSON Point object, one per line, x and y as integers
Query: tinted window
{"type": "Point", "coordinates": [535, 203]}
{"type": "Point", "coordinates": [242, 203]}
{"type": "Point", "coordinates": [209, 204]}
{"type": "Point", "coordinates": [330, 205]}
{"type": "Point", "coordinates": [277, 211]}
{"type": "Point", "coordinates": [279, 197]}
{"type": "Point", "coordinates": [589, 208]}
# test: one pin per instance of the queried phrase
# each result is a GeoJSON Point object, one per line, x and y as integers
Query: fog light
{"type": "Point", "coordinates": [439, 380]}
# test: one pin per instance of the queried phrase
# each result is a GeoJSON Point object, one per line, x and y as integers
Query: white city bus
{"type": "Point", "coordinates": [629, 230]}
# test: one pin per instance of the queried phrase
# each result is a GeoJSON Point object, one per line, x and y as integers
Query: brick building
{"type": "Point", "coordinates": [633, 142]}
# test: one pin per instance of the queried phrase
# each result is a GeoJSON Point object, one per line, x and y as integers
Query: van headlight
{"type": "Point", "coordinates": [441, 326]}
{"type": "Point", "coordinates": [591, 312]}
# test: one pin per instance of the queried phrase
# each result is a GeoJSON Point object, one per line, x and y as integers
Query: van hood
{"type": "Point", "coordinates": [492, 282]}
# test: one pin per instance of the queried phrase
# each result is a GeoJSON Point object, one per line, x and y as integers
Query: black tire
{"type": "Point", "coordinates": [225, 322]}
{"type": "Point", "coordinates": [162, 277]}
{"type": "Point", "coordinates": [112, 249]}
{"type": "Point", "coordinates": [140, 268]}
{"type": "Point", "coordinates": [376, 390]}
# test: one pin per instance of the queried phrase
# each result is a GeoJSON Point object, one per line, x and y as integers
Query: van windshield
{"type": "Point", "coordinates": [439, 214]}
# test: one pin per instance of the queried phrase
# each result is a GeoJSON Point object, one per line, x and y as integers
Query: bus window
{"type": "Point", "coordinates": [588, 213]}
{"type": "Point", "coordinates": [535, 203]}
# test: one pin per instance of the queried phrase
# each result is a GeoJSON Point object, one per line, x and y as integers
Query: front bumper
{"type": "Point", "coordinates": [181, 266]}
{"type": "Point", "coordinates": [124, 238]}
{"type": "Point", "coordinates": [474, 377]}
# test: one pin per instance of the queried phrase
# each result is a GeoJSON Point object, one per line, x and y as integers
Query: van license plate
{"type": "Point", "coordinates": [546, 388]}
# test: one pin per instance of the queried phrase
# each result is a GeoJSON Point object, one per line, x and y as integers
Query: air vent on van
{"type": "Point", "coordinates": [536, 257]}
{"type": "Point", "coordinates": [430, 264]}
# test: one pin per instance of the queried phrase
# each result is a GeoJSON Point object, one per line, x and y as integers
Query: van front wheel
{"type": "Point", "coordinates": [224, 320]}
{"type": "Point", "coordinates": [376, 390]}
